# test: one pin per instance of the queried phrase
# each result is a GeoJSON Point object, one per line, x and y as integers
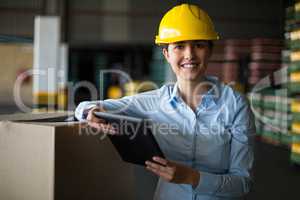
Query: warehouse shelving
{"type": "Point", "coordinates": [292, 40]}
{"type": "Point", "coordinates": [87, 61]}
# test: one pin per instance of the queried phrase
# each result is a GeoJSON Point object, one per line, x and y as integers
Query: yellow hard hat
{"type": "Point", "coordinates": [185, 22]}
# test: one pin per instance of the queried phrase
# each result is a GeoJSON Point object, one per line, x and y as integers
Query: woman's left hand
{"type": "Point", "coordinates": [173, 172]}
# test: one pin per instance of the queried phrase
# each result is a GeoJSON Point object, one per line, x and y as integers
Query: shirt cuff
{"type": "Point", "coordinates": [82, 110]}
{"type": "Point", "coordinates": [208, 183]}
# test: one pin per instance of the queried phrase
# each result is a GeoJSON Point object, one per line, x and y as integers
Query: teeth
{"type": "Point", "coordinates": [189, 65]}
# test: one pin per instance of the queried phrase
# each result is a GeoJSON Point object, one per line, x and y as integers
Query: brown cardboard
{"type": "Point", "coordinates": [47, 161]}
{"type": "Point", "coordinates": [34, 116]}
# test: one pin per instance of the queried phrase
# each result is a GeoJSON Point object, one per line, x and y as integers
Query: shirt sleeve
{"type": "Point", "coordinates": [135, 106]}
{"type": "Point", "coordinates": [237, 182]}
{"type": "Point", "coordinates": [83, 108]}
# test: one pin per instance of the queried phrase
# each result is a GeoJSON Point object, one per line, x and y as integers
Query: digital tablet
{"type": "Point", "coordinates": [134, 140]}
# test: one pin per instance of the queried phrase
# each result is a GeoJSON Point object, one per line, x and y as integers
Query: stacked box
{"type": "Point", "coordinates": [295, 129]}
{"type": "Point", "coordinates": [268, 79]}
{"type": "Point", "coordinates": [276, 117]}
{"type": "Point", "coordinates": [216, 60]}
{"type": "Point", "coordinates": [265, 58]}
{"type": "Point", "coordinates": [292, 41]}
{"type": "Point", "coordinates": [265, 72]}
{"type": "Point", "coordinates": [295, 149]}
{"type": "Point", "coordinates": [229, 61]}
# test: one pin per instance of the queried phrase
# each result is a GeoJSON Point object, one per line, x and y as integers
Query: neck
{"type": "Point", "coordinates": [191, 91]}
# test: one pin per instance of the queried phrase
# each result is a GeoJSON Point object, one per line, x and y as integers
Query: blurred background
{"type": "Point", "coordinates": [57, 53]}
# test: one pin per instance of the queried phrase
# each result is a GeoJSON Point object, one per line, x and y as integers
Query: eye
{"type": "Point", "coordinates": [201, 45]}
{"type": "Point", "coordinates": [178, 46]}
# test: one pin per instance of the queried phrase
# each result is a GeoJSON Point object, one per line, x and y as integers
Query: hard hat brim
{"type": "Point", "coordinates": [159, 41]}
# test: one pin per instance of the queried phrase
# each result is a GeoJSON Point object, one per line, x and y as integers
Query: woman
{"type": "Point", "coordinates": [207, 141]}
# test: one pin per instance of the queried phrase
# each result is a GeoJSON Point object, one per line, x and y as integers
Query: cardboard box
{"type": "Point", "coordinates": [63, 160]}
{"type": "Point", "coordinates": [15, 58]}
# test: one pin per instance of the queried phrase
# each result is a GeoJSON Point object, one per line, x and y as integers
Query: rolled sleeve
{"type": "Point", "coordinates": [207, 182]}
{"type": "Point", "coordinates": [129, 105]}
{"type": "Point", "coordinates": [80, 111]}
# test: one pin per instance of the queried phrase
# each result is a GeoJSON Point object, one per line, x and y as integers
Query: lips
{"type": "Point", "coordinates": [189, 65]}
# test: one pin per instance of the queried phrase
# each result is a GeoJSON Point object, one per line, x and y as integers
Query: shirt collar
{"type": "Point", "coordinates": [175, 93]}
{"type": "Point", "coordinates": [210, 97]}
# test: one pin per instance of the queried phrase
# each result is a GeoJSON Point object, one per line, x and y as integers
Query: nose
{"type": "Point", "coordinates": [189, 52]}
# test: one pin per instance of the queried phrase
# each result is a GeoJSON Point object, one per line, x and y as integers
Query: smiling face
{"type": "Point", "coordinates": [188, 59]}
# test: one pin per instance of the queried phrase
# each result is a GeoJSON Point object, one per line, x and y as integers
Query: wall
{"type": "Point", "coordinates": [94, 21]}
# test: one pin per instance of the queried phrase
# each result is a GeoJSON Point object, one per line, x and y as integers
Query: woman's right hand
{"type": "Point", "coordinates": [98, 123]}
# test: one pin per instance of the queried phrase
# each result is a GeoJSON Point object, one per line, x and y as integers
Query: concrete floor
{"type": "Point", "coordinates": [274, 176]}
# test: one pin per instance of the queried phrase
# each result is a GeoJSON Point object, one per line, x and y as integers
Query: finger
{"type": "Point", "coordinates": [163, 174]}
{"type": "Point", "coordinates": [160, 160]}
{"type": "Point", "coordinates": [94, 117]}
{"type": "Point", "coordinates": [156, 166]}
{"type": "Point", "coordinates": [91, 117]}
{"type": "Point", "coordinates": [157, 170]}
{"type": "Point", "coordinates": [97, 109]}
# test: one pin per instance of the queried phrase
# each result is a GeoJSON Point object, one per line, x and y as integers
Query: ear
{"type": "Point", "coordinates": [166, 53]}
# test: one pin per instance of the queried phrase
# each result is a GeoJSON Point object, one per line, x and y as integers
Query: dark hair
{"type": "Point", "coordinates": [164, 46]}
{"type": "Point", "coordinates": [210, 45]}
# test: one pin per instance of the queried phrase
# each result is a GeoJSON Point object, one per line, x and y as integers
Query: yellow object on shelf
{"type": "Point", "coordinates": [295, 148]}
{"type": "Point", "coordinates": [295, 105]}
{"type": "Point", "coordinates": [296, 127]}
{"type": "Point", "coordinates": [295, 77]}
{"type": "Point", "coordinates": [44, 101]}
{"type": "Point", "coordinates": [146, 86]}
{"type": "Point", "coordinates": [297, 6]}
{"type": "Point", "coordinates": [131, 88]}
{"type": "Point", "coordinates": [62, 98]}
{"type": "Point", "coordinates": [295, 56]}
{"type": "Point", "coordinates": [114, 92]}
{"type": "Point", "coordinates": [135, 87]}
{"type": "Point", "coordinates": [295, 35]}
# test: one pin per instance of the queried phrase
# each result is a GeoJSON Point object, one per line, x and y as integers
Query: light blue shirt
{"type": "Point", "coordinates": [216, 139]}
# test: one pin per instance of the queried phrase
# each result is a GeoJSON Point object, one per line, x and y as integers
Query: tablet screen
{"type": "Point", "coordinates": [134, 142]}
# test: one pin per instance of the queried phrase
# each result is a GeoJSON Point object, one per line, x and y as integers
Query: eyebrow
{"type": "Point", "coordinates": [192, 41]}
